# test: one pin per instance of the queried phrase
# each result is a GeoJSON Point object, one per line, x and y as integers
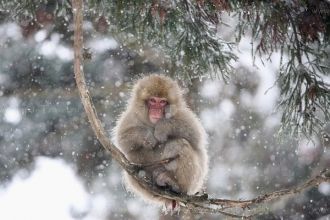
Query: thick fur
{"type": "Point", "coordinates": [179, 133]}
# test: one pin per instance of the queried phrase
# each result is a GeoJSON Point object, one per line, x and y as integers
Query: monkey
{"type": "Point", "coordinates": [157, 124]}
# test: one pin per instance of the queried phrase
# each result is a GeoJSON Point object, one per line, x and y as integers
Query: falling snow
{"type": "Point", "coordinates": [52, 166]}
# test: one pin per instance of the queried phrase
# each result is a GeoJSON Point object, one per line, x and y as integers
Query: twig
{"type": "Point", "coordinates": [195, 203]}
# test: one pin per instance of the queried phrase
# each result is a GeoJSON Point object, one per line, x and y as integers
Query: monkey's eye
{"type": "Point", "coordinates": [152, 101]}
{"type": "Point", "coordinates": [163, 102]}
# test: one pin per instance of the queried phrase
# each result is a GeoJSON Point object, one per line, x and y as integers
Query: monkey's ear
{"type": "Point", "coordinates": [170, 110]}
{"type": "Point", "coordinates": [172, 95]}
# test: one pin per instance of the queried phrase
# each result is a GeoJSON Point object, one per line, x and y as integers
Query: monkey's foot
{"type": "Point", "coordinates": [164, 180]}
{"type": "Point", "coordinates": [171, 206]}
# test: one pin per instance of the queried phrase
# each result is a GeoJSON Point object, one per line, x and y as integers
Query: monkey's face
{"type": "Point", "coordinates": [156, 108]}
{"type": "Point", "coordinates": [155, 97]}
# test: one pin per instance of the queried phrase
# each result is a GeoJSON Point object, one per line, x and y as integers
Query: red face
{"type": "Point", "coordinates": [156, 107]}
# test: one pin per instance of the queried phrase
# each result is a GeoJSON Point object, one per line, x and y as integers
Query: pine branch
{"type": "Point", "coordinates": [195, 203]}
{"type": "Point", "coordinates": [296, 38]}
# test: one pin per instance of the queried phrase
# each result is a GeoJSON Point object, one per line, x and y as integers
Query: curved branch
{"type": "Point", "coordinates": [82, 87]}
{"type": "Point", "coordinates": [195, 203]}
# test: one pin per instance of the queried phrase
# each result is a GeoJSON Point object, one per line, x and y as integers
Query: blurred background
{"type": "Point", "coordinates": [52, 166]}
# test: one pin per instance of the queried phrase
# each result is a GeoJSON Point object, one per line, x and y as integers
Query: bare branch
{"type": "Point", "coordinates": [324, 176]}
{"type": "Point", "coordinates": [195, 203]}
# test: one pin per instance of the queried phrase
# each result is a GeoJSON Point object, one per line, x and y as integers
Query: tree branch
{"type": "Point", "coordinates": [195, 203]}
{"type": "Point", "coordinates": [296, 38]}
{"type": "Point", "coordinates": [324, 176]}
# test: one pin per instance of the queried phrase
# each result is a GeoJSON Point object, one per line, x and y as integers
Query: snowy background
{"type": "Point", "coordinates": [52, 167]}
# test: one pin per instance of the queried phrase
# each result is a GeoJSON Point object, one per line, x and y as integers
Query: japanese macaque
{"type": "Point", "coordinates": [157, 125]}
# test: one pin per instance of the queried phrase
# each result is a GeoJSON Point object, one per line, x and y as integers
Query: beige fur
{"type": "Point", "coordinates": [179, 133]}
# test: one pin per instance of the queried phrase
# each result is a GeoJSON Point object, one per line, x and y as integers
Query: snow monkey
{"type": "Point", "coordinates": [157, 125]}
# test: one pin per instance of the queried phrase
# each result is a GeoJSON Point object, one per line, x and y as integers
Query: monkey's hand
{"type": "Point", "coordinates": [149, 140]}
{"type": "Point", "coordinates": [165, 180]}
{"type": "Point", "coordinates": [162, 131]}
